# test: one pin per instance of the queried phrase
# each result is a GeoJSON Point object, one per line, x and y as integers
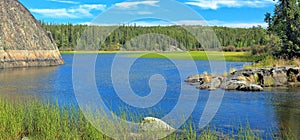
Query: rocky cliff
{"type": "Point", "coordinates": [23, 42]}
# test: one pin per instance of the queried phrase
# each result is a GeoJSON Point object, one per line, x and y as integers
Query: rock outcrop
{"type": "Point", "coordinates": [23, 42]}
{"type": "Point", "coordinates": [248, 79]}
{"type": "Point", "coordinates": [155, 125]}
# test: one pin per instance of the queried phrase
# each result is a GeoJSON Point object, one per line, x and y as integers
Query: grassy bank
{"type": "Point", "coordinates": [202, 55]}
{"type": "Point", "coordinates": [195, 55]}
{"type": "Point", "coordinates": [37, 120]}
{"type": "Point", "coordinates": [270, 61]}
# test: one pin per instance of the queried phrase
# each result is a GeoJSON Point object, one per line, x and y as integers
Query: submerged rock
{"type": "Point", "coordinates": [23, 42]}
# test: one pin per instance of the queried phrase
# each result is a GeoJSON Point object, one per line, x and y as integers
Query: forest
{"type": "Point", "coordinates": [230, 39]}
{"type": "Point", "coordinates": [279, 40]}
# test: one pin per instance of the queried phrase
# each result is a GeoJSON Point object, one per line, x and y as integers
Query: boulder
{"type": "Point", "coordinates": [279, 76]}
{"type": "Point", "coordinates": [251, 87]}
{"type": "Point", "coordinates": [248, 73]}
{"type": "Point", "coordinates": [155, 125]}
{"type": "Point", "coordinates": [268, 81]}
{"type": "Point", "coordinates": [250, 79]}
{"type": "Point", "coordinates": [292, 74]}
{"type": "Point", "coordinates": [232, 84]}
{"type": "Point", "coordinates": [294, 70]}
{"type": "Point", "coordinates": [213, 85]}
{"type": "Point", "coordinates": [25, 138]}
{"type": "Point", "coordinates": [194, 79]}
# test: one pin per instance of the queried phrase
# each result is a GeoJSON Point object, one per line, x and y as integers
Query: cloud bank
{"type": "Point", "coordinates": [216, 4]}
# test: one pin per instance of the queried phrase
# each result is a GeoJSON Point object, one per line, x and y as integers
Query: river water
{"type": "Point", "coordinates": [265, 112]}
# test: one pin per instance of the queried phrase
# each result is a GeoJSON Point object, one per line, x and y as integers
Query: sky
{"type": "Point", "coordinates": [230, 13]}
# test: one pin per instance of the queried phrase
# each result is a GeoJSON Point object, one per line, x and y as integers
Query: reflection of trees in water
{"type": "Point", "coordinates": [24, 82]}
{"type": "Point", "coordinates": [287, 111]}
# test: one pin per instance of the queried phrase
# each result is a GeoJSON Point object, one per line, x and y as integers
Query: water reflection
{"type": "Point", "coordinates": [287, 110]}
{"type": "Point", "coordinates": [24, 82]}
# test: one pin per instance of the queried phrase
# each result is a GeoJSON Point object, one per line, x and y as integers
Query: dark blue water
{"type": "Point", "coordinates": [264, 112]}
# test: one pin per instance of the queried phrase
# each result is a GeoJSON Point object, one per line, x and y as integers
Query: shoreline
{"type": "Point", "coordinates": [190, 55]}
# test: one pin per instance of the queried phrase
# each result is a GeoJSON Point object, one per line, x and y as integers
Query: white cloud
{"type": "Point", "coordinates": [189, 22]}
{"type": "Point", "coordinates": [65, 1]}
{"type": "Point", "coordinates": [215, 4]}
{"type": "Point", "coordinates": [236, 24]}
{"type": "Point", "coordinates": [78, 12]}
{"type": "Point", "coordinates": [221, 23]}
{"type": "Point", "coordinates": [53, 13]}
{"type": "Point", "coordinates": [151, 23]}
{"type": "Point", "coordinates": [127, 5]}
{"type": "Point", "coordinates": [84, 23]}
{"type": "Point", "coordinates": [203, 22]}
{"type": "Point", "coordinates": [93, 6]}
{"type": "Point", "coordinates": [244, 25]}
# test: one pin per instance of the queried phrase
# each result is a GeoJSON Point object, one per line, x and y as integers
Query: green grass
{"type": "Point", "coordinates": [193, 55]}
{"type": "Point", "coordinates": [201, 55]}
{"type": "Point", "coordinates": [35, 119]}
{"type": "Point", "coordinates": [270, 61]}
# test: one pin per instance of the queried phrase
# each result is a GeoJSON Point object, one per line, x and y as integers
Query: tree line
{"type": "Point", "coordinates": [281, 39]}
{"type": "Point", "coordinates": [67, 37]}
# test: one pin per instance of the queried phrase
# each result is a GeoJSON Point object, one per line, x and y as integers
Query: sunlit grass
{"type": "Point", "coordinates": [270, 61]}
{"type": "Point", "coordinates": [201, 55]}
{"type": "Point", "coordinates": [193, 55]}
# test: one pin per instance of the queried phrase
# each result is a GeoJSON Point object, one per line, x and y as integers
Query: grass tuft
{"type": "Point", "coordinates": [35, 119]}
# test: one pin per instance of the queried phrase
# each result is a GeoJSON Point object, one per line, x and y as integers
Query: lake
{"type": "Point", "coordinates": [265, 112]}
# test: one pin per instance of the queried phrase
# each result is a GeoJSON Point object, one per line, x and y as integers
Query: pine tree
{"type": "Point", "coordinates": [285, 24]}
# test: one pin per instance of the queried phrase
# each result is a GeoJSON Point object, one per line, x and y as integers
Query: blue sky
{"type": "Point", "coordinates": [231, 13]}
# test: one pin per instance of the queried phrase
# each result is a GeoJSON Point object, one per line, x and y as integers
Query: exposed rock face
{"type": "Point", "coordinates": [23, 42]}
{"type": "Point", "coordinates": [248, 79]}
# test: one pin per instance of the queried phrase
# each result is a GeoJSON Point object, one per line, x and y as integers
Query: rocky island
{"type": "Point", "coordinates": [23, 42]}
{"type": "Point", "coordinates": [254, 79]}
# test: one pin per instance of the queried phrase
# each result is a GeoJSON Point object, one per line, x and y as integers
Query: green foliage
{"type": "Point", "coordinates": [240, 37]}
{"type": "Point", "coordinates": [271, 61]}
{"type": "Point", "coordinates": [199, 55]}
{"type": "Point", "coordinates": [285, 23]}
{"type": "Point", "coordinates": [67, 36]}
{"type": "Point", "coordinates": [272, 47]}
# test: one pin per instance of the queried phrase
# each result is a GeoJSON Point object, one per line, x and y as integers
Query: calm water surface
{"type": "Point", "coordinates": [265, 111]}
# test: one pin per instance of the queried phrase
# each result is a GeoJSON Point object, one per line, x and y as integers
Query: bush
{"type": "Point", "coordinates": [273, 47]}
{"type": "Point", "coordinates": [230, 48]}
